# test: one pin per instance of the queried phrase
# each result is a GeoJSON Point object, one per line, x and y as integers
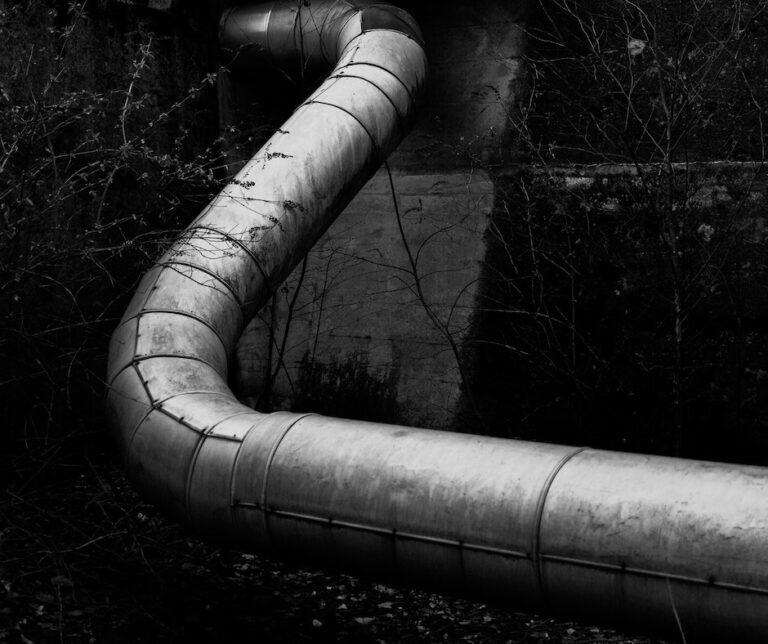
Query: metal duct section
{"type": "Point", "coordinates": [660, 542]}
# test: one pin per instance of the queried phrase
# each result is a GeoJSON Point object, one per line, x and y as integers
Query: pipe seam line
{"type": "Point", "coordinates": [540, 503]}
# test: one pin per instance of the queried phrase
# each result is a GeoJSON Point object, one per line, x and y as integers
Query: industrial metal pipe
{"type": "Point", "coordinates": [658, 542]}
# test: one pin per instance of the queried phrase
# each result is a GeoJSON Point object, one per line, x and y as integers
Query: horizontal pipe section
{"type": "Point", "coordinates": [653, 541]}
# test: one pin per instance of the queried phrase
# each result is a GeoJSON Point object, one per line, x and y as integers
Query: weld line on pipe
{"type": "Point", "coordinates": [374, 143]}
{"type": "Point", "coordinates": [239, 244]}
{"type": "Point", "coordinates": [350, 42]}
{"type": "Point", "coordinates": [352, 63]}
{"type": "Point", "coordinates": [191, 316]}
{"type": "Point", "coordinates": [391, 532]}
{"type": "Point", "coordinates": [170, 263]}
{"type": "Point", "coordinates": [342, 27]}
{"type": "Point", "coordinates": [190, 473]}
{"type": "Point", "coordinates": [144, 384]}
{"type": "Point", "coordinates": [643, 572]}
{"type": "Point", "coordinates": [213, 427]}
{"type": "Point", "coordinates": [399, 116]}
{"type": "Point", "coordinates": [267, 468]}
{"type": "Point", "coordinates": [233, 502]}
{"type": "Point", "coordinates": [321, 30]}
{"type": "Point", "coordinates": [141, 357]}
{"type": "Point", "coordinates": [536, 537]}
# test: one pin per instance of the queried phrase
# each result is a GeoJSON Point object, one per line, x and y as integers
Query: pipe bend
{"type": "Point", "coordinates": [184, 436]}
{"type": "Point", "coordinates": [303, 40]}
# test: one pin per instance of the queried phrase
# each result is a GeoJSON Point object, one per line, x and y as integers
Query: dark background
{"type": "Point", "coordinates": [642, 290]}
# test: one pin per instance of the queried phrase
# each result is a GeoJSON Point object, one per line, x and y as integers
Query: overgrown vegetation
{"type": "Point", "coordinates": [346, 389]}
{"type": "Point", "coordinates": [623, 305]}
{"type": "Point", "coordinates": [99, 161]}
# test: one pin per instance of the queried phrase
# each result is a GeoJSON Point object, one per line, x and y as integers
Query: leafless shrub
{"type": "Point", "coordinates": [95, 171]}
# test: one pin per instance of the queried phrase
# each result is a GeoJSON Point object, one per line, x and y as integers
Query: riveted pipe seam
{"type": "Point", "coordinates": [228, 288]}
{"type": "Point", "coordinates": [376, 147]}
{"type": "Point", "coordinates": [237, 242]}
{"type": "Point", "coordinates": [267, 468]}
{"type": "Point", "coordinates": [216, 357]}
{"type": "Point", "coordinates": [378, 87]}
{"type": "Point", "coordinates": [187, 314]}
{"type": "Point", "coordinates": [140, 358]}
{"type": "Point", "coordinates": [397, 534]}
{"type": "Point", "coordinates": [540, 503]}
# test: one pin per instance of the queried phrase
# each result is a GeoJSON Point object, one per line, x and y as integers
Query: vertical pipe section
{"type": "Point", "coordinates": [648, 540]}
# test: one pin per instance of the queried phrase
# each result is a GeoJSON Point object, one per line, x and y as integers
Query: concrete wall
{"type": "Point", "coordinates": [359, 309]}
{"type": "Point", "coordinates": [361, 330]}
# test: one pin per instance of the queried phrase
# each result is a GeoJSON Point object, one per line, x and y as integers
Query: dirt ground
{"type": "Point", "coordinates": [84, 559]}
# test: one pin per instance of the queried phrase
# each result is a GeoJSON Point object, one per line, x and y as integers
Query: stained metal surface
{"type": "Point", "coordinates": [646, 537]}
{"type": "Point", "coordinates": [655, 541]}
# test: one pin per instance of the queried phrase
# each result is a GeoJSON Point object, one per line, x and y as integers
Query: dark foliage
{"type": "Point", "coordinates": [100, 158]}
{"type": "Point", "coordinates": [346, 389]}
{"type": "Point", "coordinates": [623, 306]}
{"type": "Point", "coordinates": [579, 332]}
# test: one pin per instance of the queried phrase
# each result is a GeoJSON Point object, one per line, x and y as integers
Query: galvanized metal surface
{"type": "Point", "coordinates": [655, 541]}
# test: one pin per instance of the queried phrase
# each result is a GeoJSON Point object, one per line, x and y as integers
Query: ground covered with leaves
{"type": "Point", "coordinates": [82, 558]}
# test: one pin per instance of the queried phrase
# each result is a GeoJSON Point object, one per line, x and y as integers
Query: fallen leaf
{"type": "Point", "coordinates": [635, 46]}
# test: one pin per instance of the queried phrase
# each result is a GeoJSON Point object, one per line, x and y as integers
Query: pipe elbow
{"type": "Point", "coordinates": [187, 441]}
{"type": "Point", "coordinates": [304, 40]}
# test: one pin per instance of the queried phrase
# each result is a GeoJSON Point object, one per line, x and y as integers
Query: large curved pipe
{"type": "Point", "coordinates": [656, 541]}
